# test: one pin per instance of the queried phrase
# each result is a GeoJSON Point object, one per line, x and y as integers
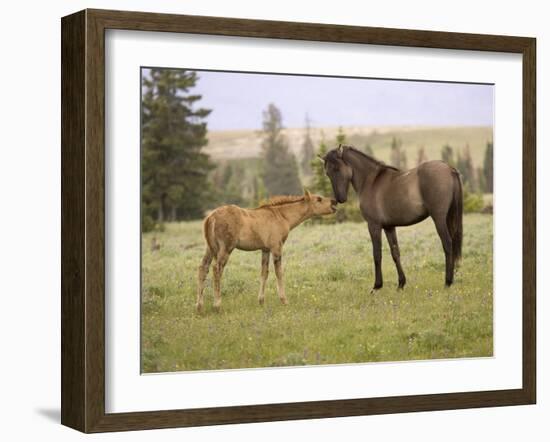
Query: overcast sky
{"type": "Point", "coordinates": [238, 99]}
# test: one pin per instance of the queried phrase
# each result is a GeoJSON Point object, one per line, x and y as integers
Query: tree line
{"type": "Point", "coordinates": [174, 170]}
{"type": "Point", "coordinates": [180, 181]}
{"type": "Point", "coordinates": [477, 179]}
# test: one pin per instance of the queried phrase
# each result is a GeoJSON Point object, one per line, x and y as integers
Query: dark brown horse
{"type": "Point", "coordinates": [389, 197]}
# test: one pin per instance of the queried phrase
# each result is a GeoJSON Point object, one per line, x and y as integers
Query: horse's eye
{"type": "Point", "coordinates": [319, 198]}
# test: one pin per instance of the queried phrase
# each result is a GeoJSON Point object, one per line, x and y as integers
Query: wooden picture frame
{"type": "Point", "coordinates": [83, 220]}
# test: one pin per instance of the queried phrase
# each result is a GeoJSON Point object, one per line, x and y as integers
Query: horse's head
{"type": "Point", "coordinates": [320, 205]}
{"type": "Point", "coordinates": [338, 172]}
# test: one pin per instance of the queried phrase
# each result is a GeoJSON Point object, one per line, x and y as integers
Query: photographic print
{"type": "Point", "coordinates": [295, 220]}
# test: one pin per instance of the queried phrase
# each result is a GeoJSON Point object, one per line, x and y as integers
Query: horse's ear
{"type": "Point", "coordinates": [340, 151]}
{"type": "Point", "coordinates": [307, 194]}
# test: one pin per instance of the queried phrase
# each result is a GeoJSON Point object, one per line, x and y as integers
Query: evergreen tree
{"type": "Point", "coordinates": [321, 182]}
{"type": "Point", "coordinates": [447, 155]}
{"type": "Point", "coordinates": [398, 155]}
{"type": "Point", "coordinates": [259, 194]}
{"type": "Point", "coordinates": [482, 185]}
{"type": "Point", "coordinates": [280, 172]}
{"type": "Point", "coordinates": [230, 185]}
{"type": "Point", "coordinates": [488, 167]}
{"type": "Point", "coordinates": [340, 136]}
{"type": "Point", "coordinates": [174, 169]}
{"type": "Point", "coordinates": [421, 156]}
{"type": "Point", "coordinates": [308, 150]}
{"type": "Point", "coordinates": [395, 156]}
{"type": "Point", "coordinates": [465, 166]}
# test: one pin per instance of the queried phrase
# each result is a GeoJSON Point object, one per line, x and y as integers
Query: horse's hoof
{"type": "Point", "coordinates": [261, 301]}
{"type": "Point", "coordinates": [199, 308]}
{"type": "Point", "coordinates": [284, 301]}
{"type": "Point", "coordinates": [217, 307]}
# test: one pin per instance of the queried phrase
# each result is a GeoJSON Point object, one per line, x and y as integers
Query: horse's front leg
{"type": "Point", "coordinates": [376, 238]}
{"type": "Point", "coordinates": [278, 264]}
{"type": "Point", "coordinates": [265, 272]}
{"type": "Point", "coordinates": [391, 235]}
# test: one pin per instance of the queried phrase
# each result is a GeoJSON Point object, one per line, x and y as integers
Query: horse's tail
{"type": "Point", "coordinates": [454, 218]}
{"type": "Point", "coordinates": [209, 236]}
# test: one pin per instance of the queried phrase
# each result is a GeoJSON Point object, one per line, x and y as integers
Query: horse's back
{"type": "Point", "coordinates": [435, 167]}
{"type": "Point", "coordinates": [398, 200]}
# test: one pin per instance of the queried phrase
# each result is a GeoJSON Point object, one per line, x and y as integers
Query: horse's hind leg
{"type": "Point", "coordinates": [265, 272]}
{"type": "Point", "coordinates": [221, 261]}
{"type": "Point", "coordinates": [203, 272]}
{"type": "Point", "coordinates": [446, 241]}
{"type": "Point", "coordinates": [391, 235]}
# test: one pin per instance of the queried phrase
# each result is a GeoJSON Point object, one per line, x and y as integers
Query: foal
{"type": "Point", "coordinates": [265, 228]}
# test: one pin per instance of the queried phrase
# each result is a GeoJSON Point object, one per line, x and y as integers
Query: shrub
{"type": "Point", "coordinates": [147, 223]}
{"type": "Point", "coordinates": [473, 202]}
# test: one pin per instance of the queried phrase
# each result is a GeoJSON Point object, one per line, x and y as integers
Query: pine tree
{"type": "Point", "coordinates": [308, 150]}
{"type": "Point", "coordinates": [482, 185]}
{"type": "Point", "coordinates": [488, 167]}
{"type": "Point", "coordinates": [447, 155]}
{"type": "Point", "coordinates": [340, 136]}
{"type": "Point", "coordinates": [231, 185]}
{"type": "Point", "coordinates": [465, 166]}
{"type": "Point", "coordinates": [421, 156]}
{"type": "Point", "coordinates": [321, 183]}
{"type": "Point", "coordinates": [259, 194]}
{"type": "Point", "coordinates": [280, 172]}
{"type": "Point", "coordinates": [398, 155]}
{"type": "Point", "coordinates": [395, 158]}
{"type": "Point", "coordinates": [174, 168]}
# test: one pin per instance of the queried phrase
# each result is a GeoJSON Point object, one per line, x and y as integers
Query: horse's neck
{"type": "Point", "coordinates": [364, 170]}
{"type": "Point", "coordinates": [295, 213]}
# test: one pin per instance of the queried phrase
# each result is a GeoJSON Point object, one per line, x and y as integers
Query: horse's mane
{"type": "Point", "coordinates": [333, 153]}
{"type": "Point", "coordinates": [281, 200]}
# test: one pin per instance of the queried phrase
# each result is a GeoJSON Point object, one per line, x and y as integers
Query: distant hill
{"type": "Point", "coordinates": [238, 144]}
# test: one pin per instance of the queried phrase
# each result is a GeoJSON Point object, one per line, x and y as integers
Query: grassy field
{"type": "Point", "coordinates": [332, 317]}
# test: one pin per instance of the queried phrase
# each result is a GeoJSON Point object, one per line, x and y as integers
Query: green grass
{"type": "Point", "coordinates": [332, 317]}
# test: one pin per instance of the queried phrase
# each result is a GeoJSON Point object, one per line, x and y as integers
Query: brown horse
{"type": "Point", "coordinates": [389, 197]}
{"type": "Point", "coordinates": [265, 228]}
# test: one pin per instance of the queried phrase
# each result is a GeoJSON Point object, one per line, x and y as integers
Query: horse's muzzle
{"type": "Point", "coordinates": [341, 200]}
